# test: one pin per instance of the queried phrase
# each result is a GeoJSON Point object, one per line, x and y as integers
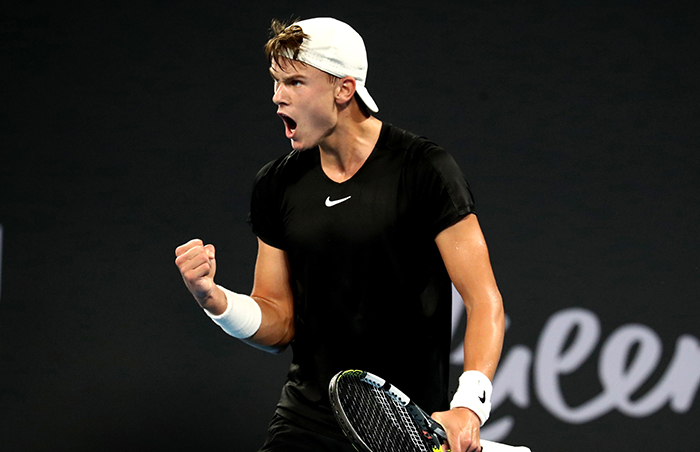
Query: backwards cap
{"type": "Point", "coordinates": [335, 47]}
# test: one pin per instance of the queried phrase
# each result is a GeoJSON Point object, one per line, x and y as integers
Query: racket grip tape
{"type": "Point", "coordinates": [439, 431]}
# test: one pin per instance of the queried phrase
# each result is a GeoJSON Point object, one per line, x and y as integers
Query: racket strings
{"type": "Point", "coordinates": [381, 422]}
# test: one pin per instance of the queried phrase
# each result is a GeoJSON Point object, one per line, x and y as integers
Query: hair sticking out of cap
{"type": "Point", "coordinates": [286, 41]}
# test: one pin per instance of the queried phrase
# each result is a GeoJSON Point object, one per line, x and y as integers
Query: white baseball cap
{"type": "Point", "coordinates": [336, 48]}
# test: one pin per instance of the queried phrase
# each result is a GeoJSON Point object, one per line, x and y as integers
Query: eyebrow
{"type": "Point", "coordinates": [286, 76]}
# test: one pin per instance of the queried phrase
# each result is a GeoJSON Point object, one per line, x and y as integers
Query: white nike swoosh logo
{"type": "Point", "coordinates": [330, 203]}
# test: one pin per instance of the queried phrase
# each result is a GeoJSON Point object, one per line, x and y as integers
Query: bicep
{"type": "Point", "coordinates": [271, 274]}
{"type": "Point", "coordinates": [466, 257]}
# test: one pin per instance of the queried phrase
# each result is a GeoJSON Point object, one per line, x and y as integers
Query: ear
{"type": "Point", "coordinates": [345, 90]}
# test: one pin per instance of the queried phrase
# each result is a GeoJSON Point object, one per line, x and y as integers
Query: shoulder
{"type": "Point", "coordinates": [419, 152]}
{"type": "Point", "coordinates": [398, 139]}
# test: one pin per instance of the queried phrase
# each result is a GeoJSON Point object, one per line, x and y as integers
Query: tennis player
{"type": "Point", "coordinates": [361, 229]}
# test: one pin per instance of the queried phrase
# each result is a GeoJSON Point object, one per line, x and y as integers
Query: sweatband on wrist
{"type": "Point", "coordinates": [242, 317]}
{"type": "Point", "coordinates": [474, 392]}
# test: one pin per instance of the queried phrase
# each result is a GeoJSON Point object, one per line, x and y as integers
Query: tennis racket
{"type": "Point", "coordinates": [377, 417]}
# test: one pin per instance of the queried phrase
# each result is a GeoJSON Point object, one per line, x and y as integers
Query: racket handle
{"type": "Point", "coordinates": [434, 426]}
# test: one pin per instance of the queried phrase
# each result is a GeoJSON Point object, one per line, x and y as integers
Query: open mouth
{"type": "Point", "coordinates": [289, 124]}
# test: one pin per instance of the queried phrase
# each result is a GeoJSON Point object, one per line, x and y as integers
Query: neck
{"type": "Point", "coordinates": [345, 150]}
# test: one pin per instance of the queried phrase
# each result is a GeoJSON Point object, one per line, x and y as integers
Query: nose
{"type": "Point", "coordinates": [278, 95]}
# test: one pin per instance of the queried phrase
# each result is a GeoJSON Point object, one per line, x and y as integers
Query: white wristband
{"type": "Point", "coordinates": [242, 316]}
{"type": "Point", "coordinates": [474, 392]}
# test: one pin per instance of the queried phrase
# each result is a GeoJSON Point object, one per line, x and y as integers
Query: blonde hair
{"type": "Point", "coordinates": [285, 42]}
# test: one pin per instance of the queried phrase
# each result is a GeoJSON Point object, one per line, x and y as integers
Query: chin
{"type": "Point", "coordinates": [296, 145]}
{"type": "Point", "coordinates": [300, 146]}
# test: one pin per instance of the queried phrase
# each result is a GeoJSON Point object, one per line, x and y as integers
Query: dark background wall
{"type": "Point", "coordinates": [127, 130]}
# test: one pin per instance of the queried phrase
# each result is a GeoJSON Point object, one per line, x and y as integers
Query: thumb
{"type": "Point", "coordinates": [437, 418]}
{"type": "Point", "coordinates": [211, 251]}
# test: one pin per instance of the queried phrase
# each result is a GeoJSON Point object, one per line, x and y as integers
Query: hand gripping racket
{"type": "Point", "coordinates": [377, 417]}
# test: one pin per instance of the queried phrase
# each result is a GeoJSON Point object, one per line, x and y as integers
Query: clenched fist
{"type": "Point", "coordinates": [197, 265]}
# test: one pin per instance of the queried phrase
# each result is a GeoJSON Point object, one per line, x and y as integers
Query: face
{"type": "Point", "coordinates": [305, 100]}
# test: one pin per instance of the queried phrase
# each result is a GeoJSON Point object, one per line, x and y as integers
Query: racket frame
{"type": "Point", "coordinates": [427, 427]}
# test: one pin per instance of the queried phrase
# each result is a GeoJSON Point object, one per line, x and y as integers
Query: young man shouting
{"type": "Point", "coordinates": [361, 230]}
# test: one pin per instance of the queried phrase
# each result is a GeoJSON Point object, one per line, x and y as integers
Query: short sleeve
{"type": "Point", "coordinates": [265, 207]}
{"type": "Point", "coordinates": [443, 194]}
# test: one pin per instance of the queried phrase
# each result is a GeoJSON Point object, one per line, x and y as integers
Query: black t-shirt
{"type": "Point", "coordinates": [370, 289]}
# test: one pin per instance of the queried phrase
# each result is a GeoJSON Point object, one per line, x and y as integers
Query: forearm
{"type": "Point", "coordinates": [470, 407]}
{"type": "Point", "coordinates": [483, 342]}
{"type": "Point", "coordinates": [254, 320]}
{"type": "Point", "coordinates": [483, 338]}
{"type": "Point", "coordinates": [276, 329]}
